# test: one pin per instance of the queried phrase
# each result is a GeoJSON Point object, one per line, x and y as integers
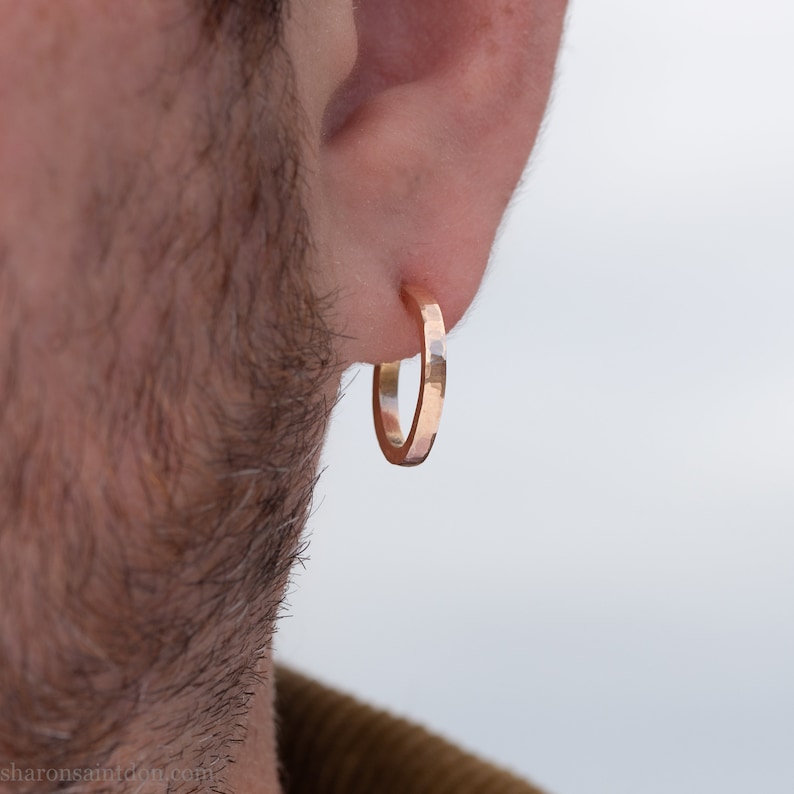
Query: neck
{"type": "Point", "coordinates": [255, 765]}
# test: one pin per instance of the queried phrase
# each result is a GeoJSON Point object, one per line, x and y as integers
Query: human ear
{"type": "Point", "coordinates": [421, 150]}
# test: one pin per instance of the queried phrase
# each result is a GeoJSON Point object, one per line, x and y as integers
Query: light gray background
{"type": "Point", "coordinates": [591, 578]}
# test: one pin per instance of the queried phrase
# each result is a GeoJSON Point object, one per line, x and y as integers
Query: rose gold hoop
{"type": "Point", "coordinates": [413, 450]}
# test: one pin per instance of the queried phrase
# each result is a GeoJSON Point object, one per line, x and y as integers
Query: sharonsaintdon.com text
{"type": "Point", "coordinates": [129, 774]}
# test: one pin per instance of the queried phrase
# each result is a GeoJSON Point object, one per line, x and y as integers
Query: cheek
{"type": "Point", "coordinates": [321, 43]}
{"type": "Point", "coordinates": [83, 96]}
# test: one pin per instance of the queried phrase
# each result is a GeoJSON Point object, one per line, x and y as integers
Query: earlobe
{"type": "Point", "coordinates": [424, 146]}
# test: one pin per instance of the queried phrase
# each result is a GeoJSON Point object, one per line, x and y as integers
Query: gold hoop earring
{"type": "Point", "coordinates": [413, 450]}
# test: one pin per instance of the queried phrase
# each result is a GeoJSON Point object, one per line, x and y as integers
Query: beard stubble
{"type": "Point", "coordinates": [160, 434]}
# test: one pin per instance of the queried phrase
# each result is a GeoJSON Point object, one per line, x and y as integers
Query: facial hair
{"type": "Point", "coordinates": [162, 405]}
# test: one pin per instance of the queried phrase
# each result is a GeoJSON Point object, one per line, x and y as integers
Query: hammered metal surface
{"type": "Point", "coordinates": [413, 450]}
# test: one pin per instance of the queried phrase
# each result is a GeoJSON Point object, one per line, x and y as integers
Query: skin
{"type": "Point", "coordinates": [205, 217]}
